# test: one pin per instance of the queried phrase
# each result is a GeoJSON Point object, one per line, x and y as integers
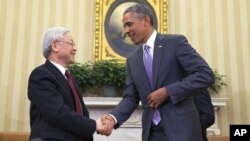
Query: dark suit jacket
{"type": "Point", "coordinates": [205, 108]}
{"type": "Point", "coordinates": [52, 115]}
{"type": "Point", "coordinates": [173, 59]}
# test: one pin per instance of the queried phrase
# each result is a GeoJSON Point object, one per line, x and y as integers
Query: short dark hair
{"type": "Point", "coordinates": [140, 11]}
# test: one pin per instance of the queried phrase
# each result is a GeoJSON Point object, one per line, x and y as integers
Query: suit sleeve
{"type": "Point", "coordinates": [199, 75]}
{"type": "Point", "coordinates": [128, 103]}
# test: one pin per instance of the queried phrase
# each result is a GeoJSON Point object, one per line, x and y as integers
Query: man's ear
{"type": "Point", "coordinates": [147, 19]}
{"type": "Point", "coordinates": [54, 46]}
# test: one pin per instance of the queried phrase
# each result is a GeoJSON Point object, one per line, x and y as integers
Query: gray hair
{"type": "Point", "coordinates": [140, 11]}
{"type": "Point", "coordinates": [51, 35]}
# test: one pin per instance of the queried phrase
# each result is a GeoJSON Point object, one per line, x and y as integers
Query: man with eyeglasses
{"type": "Point", "coordinates": [57, 111]}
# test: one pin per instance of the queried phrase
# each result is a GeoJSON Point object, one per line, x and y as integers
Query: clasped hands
{"type": "Point", "coordinates": [105, 125]}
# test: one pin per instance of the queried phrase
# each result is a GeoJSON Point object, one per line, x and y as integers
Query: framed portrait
{"type": "Point", "coordinates": [109, 39]}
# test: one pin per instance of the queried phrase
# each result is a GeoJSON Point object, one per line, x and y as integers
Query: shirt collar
{"type": "Point", "coordinates": [60, 67]}
{"type": "Point", "coordinates": [151, 39]}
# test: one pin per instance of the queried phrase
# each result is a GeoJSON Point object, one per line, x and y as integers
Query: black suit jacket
{"type": "Point", "coordinates": [52, 110]}
{"type": "Point", "coordinates": [205, 108]}
{"type": "Point", "coordinates": [173, 59]}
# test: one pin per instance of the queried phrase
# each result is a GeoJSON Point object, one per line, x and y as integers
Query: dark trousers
{"type": "Point", "coordinates": [157, 133]}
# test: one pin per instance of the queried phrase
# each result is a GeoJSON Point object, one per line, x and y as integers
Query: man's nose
{"type": "Point", "coordinates": [126, 30]}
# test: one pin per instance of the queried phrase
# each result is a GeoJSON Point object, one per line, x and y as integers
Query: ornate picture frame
{"type": "Point", "coordinates": [109, 41]}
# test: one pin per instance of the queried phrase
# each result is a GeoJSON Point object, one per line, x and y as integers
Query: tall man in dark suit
{"type": "Point", "coordinates": [161, 85]}
{"type": "Point", "coordinates": [57, 111]}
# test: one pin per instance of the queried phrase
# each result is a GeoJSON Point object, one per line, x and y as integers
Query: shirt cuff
{"type": "Point", "coordinates": [113, 118]}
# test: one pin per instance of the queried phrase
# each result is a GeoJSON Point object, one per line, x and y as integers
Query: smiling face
{"type": "Point", "coordinates": [137, 28]}
{"type": "Point", "coordinates": [64, 50]}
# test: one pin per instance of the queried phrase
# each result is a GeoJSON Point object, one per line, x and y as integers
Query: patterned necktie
{"type": "Point", "coordinates": [74, 92]}
{"type": "Point", "coordinates": [148, 66]}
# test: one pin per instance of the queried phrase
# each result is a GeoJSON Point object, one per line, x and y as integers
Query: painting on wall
{"type": "Point", "coordinates": [110, 41]}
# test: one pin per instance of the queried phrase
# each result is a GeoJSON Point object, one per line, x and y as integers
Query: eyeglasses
{"type": "Point", "coordinates": [73, 44]}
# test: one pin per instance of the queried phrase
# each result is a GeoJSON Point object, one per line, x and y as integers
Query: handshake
{"type": "Point", "coordinates": [105, 125]}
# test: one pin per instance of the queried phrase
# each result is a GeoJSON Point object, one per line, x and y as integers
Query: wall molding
{"type": "Point", "coordinates": [99, 106]}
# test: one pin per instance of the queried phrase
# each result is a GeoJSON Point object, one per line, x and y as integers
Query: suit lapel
{"type": "Point", "coordinates": [59, 76]}
{"type": "Point", "coordinates": [158, 52]}
{"type": "Point", "coordinates": [157, 58]}
{"type": "Point", "coordinates": [62, 81]}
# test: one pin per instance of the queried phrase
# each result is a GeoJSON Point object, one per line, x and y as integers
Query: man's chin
{"type": "Point", "coordinates": [72, 62]}
{"type": "Point", "coordinates": [138, 44]}
{"type": "Point", "coordinates": [135, 43]}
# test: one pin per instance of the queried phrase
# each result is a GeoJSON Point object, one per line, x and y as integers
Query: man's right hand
{"type": "Point", "coordinates": [105, 125]}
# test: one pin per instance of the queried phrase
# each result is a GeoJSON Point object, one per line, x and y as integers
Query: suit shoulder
{"type": "Point", "coordinates": [41, 71]}
{"type": "Point", "coordinates": [172, 36]}
{"type": "Point", "coordinates": [38, 69]}
{"type": "Point", "coordinates": [174, 39]}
